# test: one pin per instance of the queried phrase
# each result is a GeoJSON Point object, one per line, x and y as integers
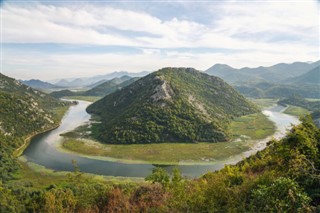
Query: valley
{"type": "Point", "coordinates": [137, 160]}
{"type": "Point", "coordinates": [159, 106]}
{"type": "Point", "coordinates": [245, 131]}
{"type": "Point", "coordinates": [69, 155]}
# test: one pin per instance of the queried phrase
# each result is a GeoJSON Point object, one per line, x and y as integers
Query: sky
{"type": "Point", "coordinates": [65, 39]}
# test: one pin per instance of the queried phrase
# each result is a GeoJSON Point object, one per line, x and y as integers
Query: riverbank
{"type": "Point", "coordinates": [19, 151]}
{"type": "Point", "coordinates": [44, 149]}
{"type": "Point", "coordinates": [245, 129]}
{"type": "Point", "coordinates": [157, 154]}
{"type": "Point", "coordinates": [59, 112]}
{"type": "Point", "coordinates": [38, 176]}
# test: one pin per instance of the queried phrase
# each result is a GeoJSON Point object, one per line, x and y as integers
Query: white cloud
{"type": "Point", "coordinates": [285, 17]}
{"type": "Point", "coordinates": [253, 33]}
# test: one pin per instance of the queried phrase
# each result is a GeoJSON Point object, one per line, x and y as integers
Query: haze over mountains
{"type": "Point", "coordinates": [273, 74]}
{"type": "Point", "coordinates": [95, 80]}
{"type": "Point", "coordinates": [100, 88]}
{"type": "Point", "coordinates": [279, 80]}
{"type": "Point", "coordinates": [38, 84]}
{"type": "Point", "coordinates": [311, 77]}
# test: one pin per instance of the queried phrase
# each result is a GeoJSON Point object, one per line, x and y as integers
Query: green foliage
{"type": "Point", "coordinates": [21, 116]}
{"type": "Point", "coordinates": [8, 201]}
{"type": "Point", "coordinates": [159, 175]}
{"type": "Point", "coordinates": [300, 102]}
{"type": "Point", "coordinates": [296, 111]}
{"type": "Point", "coordinates": [283, 195]}
{"type": "Point", "coordinates": [255, 90]}
{"type": "Point", "coordinates": [173, 104]}
{"type": "Point", "coordinates": [282, 178]}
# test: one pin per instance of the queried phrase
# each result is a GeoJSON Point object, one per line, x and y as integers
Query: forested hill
{"type": "Point", "coordinates": [15, 88]}
{"type": "Point", "coordinates": [170, 105]}
{"type": "Point", "coordinates": [23, 112]}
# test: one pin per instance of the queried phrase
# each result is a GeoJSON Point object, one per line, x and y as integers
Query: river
{"type": "Point", "coordinates": [43, 149]}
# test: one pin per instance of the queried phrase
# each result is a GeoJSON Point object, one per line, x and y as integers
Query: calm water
{"type": "Point", "coordinates": [43, 149]}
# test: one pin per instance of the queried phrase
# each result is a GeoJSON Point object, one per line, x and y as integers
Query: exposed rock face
{"type": "Point", "coordinates": [162, 91]}
{"type": "Point", "coordinates": [200, 107]}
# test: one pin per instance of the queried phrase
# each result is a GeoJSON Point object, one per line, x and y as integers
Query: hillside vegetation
{"type": "Point", "coordinates": [170, 105]}
{"type": "Point", "coordinates": [301, 102]}
{"type": "Point", "coordinates": [23, 112]}
{"type": "Point", "coordinates": [271, 90]}
{"type": "Point", "coordinates": [285, 177]}
{"type": "Point", "coordinates": [282, 178]}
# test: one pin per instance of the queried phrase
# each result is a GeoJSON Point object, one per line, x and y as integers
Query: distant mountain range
{"type": "Point", "coordinates": [273, 74]}
{"type": "Point", "coordinates": [311, 77]}
{"type": "Point", "coordinates": [38, 84]}
{"type": "Point", "coordinates": [110, 86]}
{"type": "Point", "coordinates": [101, 88]}
{"type": "Point", "coordinates": [170, 105]}
{"type": "Point", "coordinates": [95, 80]}
{"type": "Point", "coordinates": [277, 81]}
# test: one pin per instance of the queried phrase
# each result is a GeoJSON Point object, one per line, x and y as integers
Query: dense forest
{"type": "Point", "coordinates": [285, 177]}
{"type": "Point", "coordinates": [23, 112]}
{"type": "Point", "coordinates": [170, 105]}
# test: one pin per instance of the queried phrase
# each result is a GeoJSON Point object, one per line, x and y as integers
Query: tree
{"type": "Point", "coordinates": [159, 175]}
{"type": "Point", "coordinates": [283, 195]}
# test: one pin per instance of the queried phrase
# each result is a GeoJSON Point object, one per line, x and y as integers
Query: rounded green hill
{"type": "Point", "coordinates": [170, 105]}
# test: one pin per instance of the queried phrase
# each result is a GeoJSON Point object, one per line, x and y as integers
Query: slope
{"type": "Point", "coordinates": [311, 77]}
{"type": "Point", "coordinates": [170, 105]}
{"type": "Point", "coordinates": [110, 86]}
{"type": "Point", "coordinates": [23, 112]}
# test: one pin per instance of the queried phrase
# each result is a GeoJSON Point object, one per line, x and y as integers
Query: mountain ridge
{"type": "Point", "coordinates": [89, 81]}
{"type": "Point", "coordinates": [102, 89]}
{"type": "Point", "coordinates": [274, 73]}
{"type": "Point", "coordinates": [311, 77]}
{"type": "Point", "coordinates": [38, 84]}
